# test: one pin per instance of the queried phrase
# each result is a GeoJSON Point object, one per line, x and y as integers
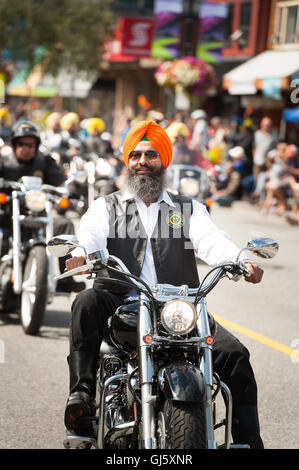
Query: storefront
{"type": "Point", "coordinates": [266, 83]}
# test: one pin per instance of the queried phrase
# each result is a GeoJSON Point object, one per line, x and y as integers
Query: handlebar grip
{"type": "Point", "coordinates": [246, 273]}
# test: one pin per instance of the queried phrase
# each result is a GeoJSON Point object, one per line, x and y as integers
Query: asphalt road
{"type": "Point", "coordinates": [34, 374]}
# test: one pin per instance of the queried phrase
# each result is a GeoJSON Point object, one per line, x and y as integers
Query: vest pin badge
{"type": "Point", "coordinates": [175, 219]}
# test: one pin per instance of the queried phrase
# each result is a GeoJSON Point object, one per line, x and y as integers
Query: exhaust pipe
{"type": "Point", "coordinates": [120, 430]}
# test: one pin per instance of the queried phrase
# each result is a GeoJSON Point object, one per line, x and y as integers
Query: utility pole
{"type": "Point", "coordinates": [189, 27]}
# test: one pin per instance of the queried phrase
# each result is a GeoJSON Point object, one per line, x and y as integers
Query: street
{"type": "Point", "coordinates": [34, 373]}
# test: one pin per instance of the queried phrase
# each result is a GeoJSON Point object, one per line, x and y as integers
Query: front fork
{"type": "Point", "coordinates": [17, 219]}
{"type": "Point", "coordinates": [17, 262]}
{"type": "Point", "coordinates": [206, 366]}
{"type": "Point", "coordinates": [146, 379]}
{"type": "Point", "coordinates": [146, 375]}
{"type": "Point", "coordinates": [49, 235]}
{"type": "Point", "coordinates": [146, 371]}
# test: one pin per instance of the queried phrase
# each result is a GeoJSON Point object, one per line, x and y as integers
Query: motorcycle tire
{"type": "Point", "coordinates": [181, 425]}
{"type": "Point", "coordinates": [34, 290]}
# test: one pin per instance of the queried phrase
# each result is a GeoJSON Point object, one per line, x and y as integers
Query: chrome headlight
{"type": "Point", "coordinates": [189, 187]}
{"type": "Point", "coordinates": [36, 200]}
{"type": "Point", "coordinates": [178, 317]}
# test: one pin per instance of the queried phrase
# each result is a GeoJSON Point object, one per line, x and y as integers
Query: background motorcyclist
{"type": "Point", "coordinates": [25, 159]}
{"type": "Point", "coordinates": [5, 123]}
{"type": "Point", "coordinates": [94, 142]}
{"type": "Point", "coordinates": [155, 258]}
{"type": "Point", "coordinates": [52, 138]}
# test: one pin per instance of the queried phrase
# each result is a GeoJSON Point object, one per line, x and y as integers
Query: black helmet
{"type": "Point", "coordinates": [25, 129]}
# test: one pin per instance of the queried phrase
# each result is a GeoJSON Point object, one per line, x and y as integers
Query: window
{"type": "Point", "coordinates": [246, 8]}
{"type": "Point", "coordinates": [133, 7]}
{"type": "Point", "coordinates": [241, 27]}
{"type": "Point", "coordinates": [287, 23]}
{"type": "Point", "coordinates": [229, 23]}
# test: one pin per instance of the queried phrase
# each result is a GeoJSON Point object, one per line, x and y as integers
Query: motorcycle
{"type": "Point", "coordinates": [191, 181]}
{"type": "Point", "coordinates": [156, 388]}
{"type": "Point", "coordinates": [103, 172]}
{"type": "Point", "coordinates": [26, 267]}
{"type": "Point", "coordinates": [91, 177]}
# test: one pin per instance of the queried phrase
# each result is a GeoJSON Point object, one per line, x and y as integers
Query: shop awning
{"type": "Point", "coordinates": [270, 70]}
{"type": "Point", "coordinates": [36, 84]}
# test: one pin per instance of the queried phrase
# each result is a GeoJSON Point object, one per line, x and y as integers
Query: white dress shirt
{"type": "Point", "coordinates": [211, 245]}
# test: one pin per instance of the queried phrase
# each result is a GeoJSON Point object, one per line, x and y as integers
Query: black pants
{"type": "Point", "coordinates": [92, 308]}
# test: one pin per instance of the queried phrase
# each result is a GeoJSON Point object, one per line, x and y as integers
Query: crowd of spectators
{"type": "Point", "coordinates": [249, 159]}
{"type": "Point", "coordinates": [252, 162]}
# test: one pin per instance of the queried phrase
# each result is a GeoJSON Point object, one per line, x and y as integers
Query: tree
{"type": "Point", "coordinates": [56, 33]}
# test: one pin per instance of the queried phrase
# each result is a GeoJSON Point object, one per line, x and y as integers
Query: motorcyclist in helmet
{"type": "Point", "coordinates": [25, 159]}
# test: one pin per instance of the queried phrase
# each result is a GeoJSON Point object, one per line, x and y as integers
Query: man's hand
{"type": "Point", "coordinates": [75, 262]}
{"type": "Point", "coordinates": [256, 273]}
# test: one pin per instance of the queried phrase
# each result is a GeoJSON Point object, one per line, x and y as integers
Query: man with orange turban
{"type": "Point", "coordinates": [152, 132]}
{"type": "Point", "coordinates": [156, 234]}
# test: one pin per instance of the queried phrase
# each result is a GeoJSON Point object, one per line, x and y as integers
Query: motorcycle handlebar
{"type": "Point", "coordinates": [232, 270]}
{"type": "Point", "coordinates": [60, 190]}
{"type": "Point", "coordinates": [10, 184]}
{"type": "Point", "coordinates": [20, 187]}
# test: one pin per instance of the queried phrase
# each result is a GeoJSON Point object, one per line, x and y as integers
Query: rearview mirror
{"type": "Point", "coordinates": [263, 247]}
{"type": "Point", "coordinates": [62, 245]}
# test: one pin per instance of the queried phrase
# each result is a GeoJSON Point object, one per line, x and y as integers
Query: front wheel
{"type": "Point", "coordinates": [181, 425]}
{"type": "Point", "coordinates": [34, 290]}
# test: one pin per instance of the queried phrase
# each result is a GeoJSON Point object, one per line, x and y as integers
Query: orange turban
{"type": "Point", "coordinates": [156, 136]}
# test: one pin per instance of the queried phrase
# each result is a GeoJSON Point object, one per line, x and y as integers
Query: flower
{"type": "Point", "coordinates": [189, 73]}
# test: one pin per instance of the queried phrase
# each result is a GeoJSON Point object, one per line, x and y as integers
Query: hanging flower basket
{"type": "Point", "coordinates": [188, 74]}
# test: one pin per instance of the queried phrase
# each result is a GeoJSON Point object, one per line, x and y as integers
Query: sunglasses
{"type": "Point", "coordinates": [135, 155]}
{"type": "Point", "coordinates": [26, 144]}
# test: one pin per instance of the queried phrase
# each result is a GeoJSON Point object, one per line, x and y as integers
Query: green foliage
{"type": "Point", "coordinates": [62, 32]}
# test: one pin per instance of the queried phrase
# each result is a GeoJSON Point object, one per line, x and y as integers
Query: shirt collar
{"type": "Point", "coordinates": [164, 197]}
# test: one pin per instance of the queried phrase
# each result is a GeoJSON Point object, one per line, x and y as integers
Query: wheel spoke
{"type": "Point", "coordinates": [28, 287]}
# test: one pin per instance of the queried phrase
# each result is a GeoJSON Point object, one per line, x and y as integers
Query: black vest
{"type": "Point", "coordinates": [173, 252]}
{"type": "Point", "coordinates": [42, 165]}
{"type": "Point", "coordinates": [13, 169]}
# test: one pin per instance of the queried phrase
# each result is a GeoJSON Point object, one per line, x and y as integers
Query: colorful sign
{"type": "Point", "coordinates": [211, 30]}
{"type": "Point", "coordinates": [137, 36]}
{"type": "Point", "coordinates": [211, 34]}
{"type": "Point", "coordinates": [166, 42]}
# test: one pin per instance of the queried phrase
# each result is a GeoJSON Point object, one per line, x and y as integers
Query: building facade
{"type": "Point", "coordinates": [269, 82]}
{"type": "Point", "coordinates": [246, 34]}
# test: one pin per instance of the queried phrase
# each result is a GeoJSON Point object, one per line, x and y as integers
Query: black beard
{"type": "Point", "coordinates": [146, 187]}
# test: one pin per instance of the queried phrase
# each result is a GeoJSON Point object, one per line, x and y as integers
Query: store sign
{"type": "Point", "coordinates": [137, 34]}
{"type": "Point", "coordinates": [261, 102]}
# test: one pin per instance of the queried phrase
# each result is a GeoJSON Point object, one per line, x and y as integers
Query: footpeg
{"type": "Point", "coordinates": [79, 442]}
{"type": "Point", "coordinates": [239, 446]}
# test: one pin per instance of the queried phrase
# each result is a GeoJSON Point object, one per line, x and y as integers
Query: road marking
{"type": "Point", "coordinates": [256, 336]}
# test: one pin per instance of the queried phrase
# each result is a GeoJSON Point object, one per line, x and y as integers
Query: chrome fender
{"type": "Point", "coordinates": [182, 382]}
